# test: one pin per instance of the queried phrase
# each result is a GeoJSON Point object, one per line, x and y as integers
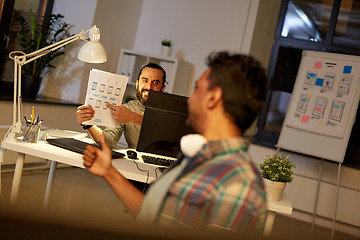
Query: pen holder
{"type": "Point", "coordinates": [31, 133]}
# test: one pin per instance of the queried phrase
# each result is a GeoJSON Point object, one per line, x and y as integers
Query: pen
{"type": "Point", "coordinates": [36, 120]}
{"type": "Point", "coordinates": [32, 115]}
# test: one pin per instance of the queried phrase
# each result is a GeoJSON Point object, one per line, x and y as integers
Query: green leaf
{"type": "Point", "coordinates": [33, 36]}
{"type": "Point", "coordinates": [33, 25]}
{"type": "Point", "coordinates": [277, 168]}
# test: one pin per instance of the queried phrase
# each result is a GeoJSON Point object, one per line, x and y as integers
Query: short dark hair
{"type": "Point", "coordinates": [154, 66]}
{"type": "Point", "coordinates": [243, 82]}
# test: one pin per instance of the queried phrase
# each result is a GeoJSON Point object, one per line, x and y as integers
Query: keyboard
{"type": "Point", "coordinates": [78, 146]}
{"type": "Point", "coordinates": [156, 160]}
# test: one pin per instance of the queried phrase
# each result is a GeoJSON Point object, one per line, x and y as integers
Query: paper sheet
{"type": "Point", "coordinates": [324, 94]}
{"type": "Point", "coordinates": [104, 87]}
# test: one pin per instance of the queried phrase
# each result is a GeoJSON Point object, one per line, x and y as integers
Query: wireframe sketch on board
{"type": "Point", "coordinates": [319, 108]}
{"type": "Point", "coordinates": [303, 103]}
{"type": "Point", "coordinates": [324, 93]}
{"type": "Point", "coordinates": [309, 81]}
{"type": "Point", "coordinates": [328, 82]}
{"type": "Point", "coordinates": [319, 120]}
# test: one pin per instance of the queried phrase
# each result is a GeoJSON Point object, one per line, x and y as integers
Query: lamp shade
{"type": "Point", "coordinates": [93, 51]}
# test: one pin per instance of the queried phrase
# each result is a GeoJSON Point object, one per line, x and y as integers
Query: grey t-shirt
{"type": "Point", "coordinates": [130, 130]}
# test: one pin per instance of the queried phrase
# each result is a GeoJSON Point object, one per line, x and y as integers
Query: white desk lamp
{"type": "Point", "coordinates": [91, 52]}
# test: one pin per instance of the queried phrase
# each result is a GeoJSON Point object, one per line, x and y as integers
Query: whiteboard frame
{"type": "Point", "coordinates": [313, 144]}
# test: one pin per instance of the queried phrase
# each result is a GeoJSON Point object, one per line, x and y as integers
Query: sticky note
{"type": "Point", "coordinates": [319, 82]}
{"type": "Point", "coordinates": [317, 65]}
{"type": "Point", "coordinates": [347, 69]}
{"type": "Point", "coordinates": [305, 118]}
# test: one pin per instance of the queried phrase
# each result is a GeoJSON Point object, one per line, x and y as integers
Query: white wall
{"type": "Point", "coordinates": [195, 28]}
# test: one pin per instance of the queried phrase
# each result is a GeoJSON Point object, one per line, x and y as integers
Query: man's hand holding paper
{"type": "Point", "coordinates": [84, 113]}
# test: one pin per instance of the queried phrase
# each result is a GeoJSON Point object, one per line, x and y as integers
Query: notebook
{"type": "Point", "coordinates": [78, 146]}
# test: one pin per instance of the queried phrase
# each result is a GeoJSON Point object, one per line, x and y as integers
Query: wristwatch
{"type": "Point", "coordinates": [86, 127]}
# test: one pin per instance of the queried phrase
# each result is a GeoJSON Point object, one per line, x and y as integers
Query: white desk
{"type": "Point", "coordinates": [282, 206]}
{"type": "Point", "coordinates": [55, 154]}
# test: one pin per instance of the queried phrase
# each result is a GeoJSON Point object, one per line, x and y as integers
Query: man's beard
{"type": "Point", "coordinates": [139, 96]}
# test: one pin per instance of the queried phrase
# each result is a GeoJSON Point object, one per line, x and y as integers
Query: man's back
{"type": "Point", "coordinates": [219, 189]}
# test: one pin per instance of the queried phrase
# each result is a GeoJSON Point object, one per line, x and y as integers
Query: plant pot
{"type": "Point", "coordinates": [30, 86]}
{"type": "Point", "coordinates": [165, 51]}
{"type": "Point", "coordinates": [274, 189]}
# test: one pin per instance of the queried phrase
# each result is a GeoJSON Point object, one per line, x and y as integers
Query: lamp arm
{"type": "Point", "coordinates": [53, 47]}
{"type": "Point", "coordinates": [20, 59]}
{"type": "Point", "coordinates": [42, 52]}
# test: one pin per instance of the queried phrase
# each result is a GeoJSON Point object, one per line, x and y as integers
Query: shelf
{"type": "Point", "coordinates": [177, 71]}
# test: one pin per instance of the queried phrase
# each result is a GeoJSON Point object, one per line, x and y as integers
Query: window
{"type": "Point", "coordinates": [9, 25]}
{"type": "Point", "coordinates": [347, 31]}
{"type": "Point", "coordinates": [318, 25]}
{"type": "Point", "coordinates": [307, 20]}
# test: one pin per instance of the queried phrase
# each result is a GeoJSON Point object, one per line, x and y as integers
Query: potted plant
{"type": "Point", "coordinates": [166, 43]}
{"type": "Point", "coordinates": [276, 171]}
{"type": "Point", "coordinates": [32, 37]}
{"type": "Point", "coordinates": [166, 48]}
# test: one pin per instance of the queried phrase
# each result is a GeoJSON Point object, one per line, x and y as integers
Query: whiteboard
{"type": "Point", "coordinates": [323, 105]}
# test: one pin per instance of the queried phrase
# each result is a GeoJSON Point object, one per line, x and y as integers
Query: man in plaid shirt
{"type": "Point", "coordinates": [215, 185]}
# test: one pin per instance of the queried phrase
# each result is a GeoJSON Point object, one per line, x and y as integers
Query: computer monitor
{"type": "Point", "coordinates": [163, 125]}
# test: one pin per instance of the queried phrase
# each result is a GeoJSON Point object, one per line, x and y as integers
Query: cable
{"type": "Point", "coordinates": [158, 169]}
{"type": "Point", "coordinates": [147, 174]}
{"type": "Point", "coordinates": [156, 175]}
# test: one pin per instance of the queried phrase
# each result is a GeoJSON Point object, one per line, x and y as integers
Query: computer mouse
{"type": "Point", "coordinates": [131, 154]}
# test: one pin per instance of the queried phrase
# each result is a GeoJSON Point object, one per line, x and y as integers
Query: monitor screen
{"type": "Point", "coordinates": [163, 125]}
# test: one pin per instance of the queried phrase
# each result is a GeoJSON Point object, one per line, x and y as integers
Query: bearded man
{"type": "Point", "coordinates": [128, 116]}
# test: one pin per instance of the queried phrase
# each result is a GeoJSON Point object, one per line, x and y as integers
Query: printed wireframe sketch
{"type": "Point", "coordinates": [100, 91]}
{"type": "Point", "coordinates": [323, 96]}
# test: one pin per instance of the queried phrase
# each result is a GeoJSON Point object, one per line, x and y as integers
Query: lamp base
{"type": "Point", "coordinates": [13, 132]}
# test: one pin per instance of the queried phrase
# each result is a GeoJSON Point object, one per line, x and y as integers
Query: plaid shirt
{"type": "Point", "coordinates": [220, 188]}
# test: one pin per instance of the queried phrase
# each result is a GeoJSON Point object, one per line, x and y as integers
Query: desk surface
{"type": "Point", "coordinates": [282, 206]}
{"type": "Point", "coordinates": [131, 169]}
